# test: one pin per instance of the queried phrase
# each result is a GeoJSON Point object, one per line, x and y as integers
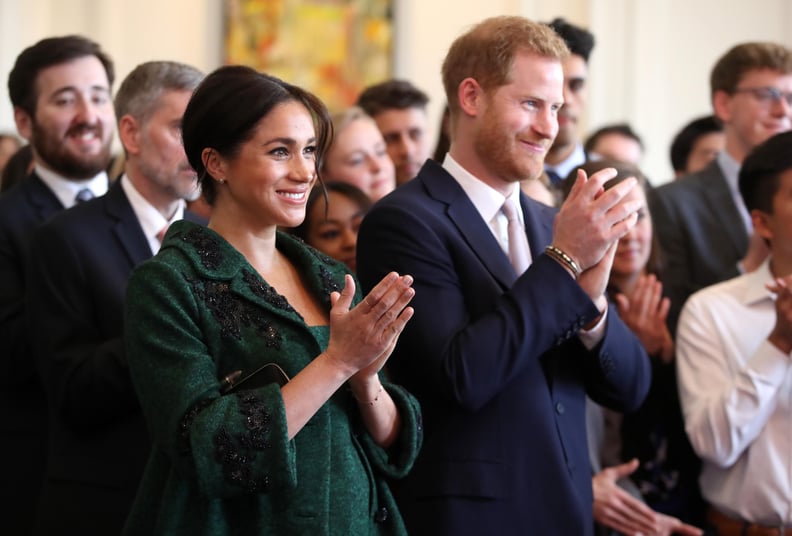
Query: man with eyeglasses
{"type": "Point", "coordinates": [700, 220]}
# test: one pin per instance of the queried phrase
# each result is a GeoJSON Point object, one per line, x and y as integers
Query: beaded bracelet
{"type": "Point", "coordinates": [369, 402]}
{"type": "Point", "coordinates": [565, 260]}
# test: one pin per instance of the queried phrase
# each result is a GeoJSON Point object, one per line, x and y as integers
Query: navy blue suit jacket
{"type": "Point", "coordinates": [497, 366]}
{"type": "Point", "coordinates": [23, 423]}
{"type": "Point", "coordinates": [98, 442]}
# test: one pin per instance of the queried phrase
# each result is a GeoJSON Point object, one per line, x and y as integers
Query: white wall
{"type": "Point", "coordinates": [650, 65]}
{"type": "Point", "coordinates": [652, 61]}
{"type": "Point", "coordinates": [131, 31]}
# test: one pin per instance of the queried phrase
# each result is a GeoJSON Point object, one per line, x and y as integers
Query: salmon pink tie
{"type": "Point", "coordinates": [519, 254]}
{"type": "Point", "coordinates": [161, 234]}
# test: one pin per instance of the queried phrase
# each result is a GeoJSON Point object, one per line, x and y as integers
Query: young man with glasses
{"type": "Point", "coordinates": [701, 221]}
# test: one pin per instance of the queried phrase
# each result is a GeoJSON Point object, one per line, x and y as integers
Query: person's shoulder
{"type": "Point", "coordinates": [297, 247]}
{"type": "Point", "coordinates": [729, 291]}
{"type": "Point", "coordinates": [16, 199]}
{"type": "Point", "coordinates": [432, 185]}
{"type": "Point", "coordinates": [692, 182]}
{"type": "Point", "coordinates": [83, 215]}
{"type": "Point", "coordinates": [18, 211]}
{"type": "Point", "coordinates": [189, 244]}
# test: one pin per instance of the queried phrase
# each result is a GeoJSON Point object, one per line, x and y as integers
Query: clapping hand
{"type": "Point", "coordinates": [644, 311]}
{"type": "Point", "coordinates": [781, 336]}
{"type": "Point", "coordinates": [362, 338]}
{"type": "Point", "coordinates": [589, 224]}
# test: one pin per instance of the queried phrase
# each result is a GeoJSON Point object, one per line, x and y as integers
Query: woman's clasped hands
{"type": "Point", "coordinates": [363, 337]}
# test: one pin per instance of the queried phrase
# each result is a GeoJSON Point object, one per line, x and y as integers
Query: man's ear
{"type": "Point", "coordinates": [471, 96]}
{"type": "Point", "coordinates": [760, 224]}
{"type": "Point", "coordinates": [721, 105]}
{"type": "Point", "coordinates": [128, 133]}
{"type": "Point", "coordinates": [24, 123]}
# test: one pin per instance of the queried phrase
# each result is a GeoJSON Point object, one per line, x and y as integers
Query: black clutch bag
{"type": "Point", "coordinates": [240, 381]}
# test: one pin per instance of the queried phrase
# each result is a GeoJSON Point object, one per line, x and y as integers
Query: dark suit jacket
{"type": "Point", "coordinates": [496, 364]}
{"type": "Point", "coordinates": [98, 442]}
{"type": "Point", "coordinates": [22, 406]}
{"type": "Point", "coordinates": [701, 234]}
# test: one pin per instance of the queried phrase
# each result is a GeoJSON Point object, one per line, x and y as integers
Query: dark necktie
{"type": "Point", "coordinates": [555, 178]}
{"type": "Point", "coordinates": [85, 194]}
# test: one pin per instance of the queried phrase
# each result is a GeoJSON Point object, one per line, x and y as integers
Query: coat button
{"type": "Point", "coordinates": [560, 408]}
{"type": "Point", "coordinates": [381, 516]}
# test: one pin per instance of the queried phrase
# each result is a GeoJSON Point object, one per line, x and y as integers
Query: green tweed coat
{"type": "Point", "coordinates": [222, 464]}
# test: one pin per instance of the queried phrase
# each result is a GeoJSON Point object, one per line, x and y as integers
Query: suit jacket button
{"type": "Point", "coordinates": [381, 516]}
{"type": "Point", "coordinates": [560, 408]}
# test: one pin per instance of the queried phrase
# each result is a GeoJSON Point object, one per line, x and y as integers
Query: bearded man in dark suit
{"type": "Point", "coordinates": [60, 89]}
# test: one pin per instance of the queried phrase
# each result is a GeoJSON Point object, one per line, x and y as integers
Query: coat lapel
{"type": "Point", "coordinates": [126, 227]}
{"type": "Point", "coordinates": [44, 202]}
{"type": "Point", "coordinates": [216, 260]}
{"type": "Point", "coordinates": [474, 230]}
{"type": "Point", "coordinates": [715, 190]}
{"type": "Point", "coordinates": [538, 224]}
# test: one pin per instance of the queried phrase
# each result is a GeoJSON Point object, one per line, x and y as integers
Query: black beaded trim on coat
{"type": "Point", "coordinates": [238, 452]}
{"type": "Point", "coordinates": [263, 290]}
{"type": "Point", "coordinates": [329, 283]}
{"type": "Point", "coordinates": [233, 313]}
{"type": "Point", "coordinates": [183, 441]}
{"type": "Point", "coordinates": [207, 248]}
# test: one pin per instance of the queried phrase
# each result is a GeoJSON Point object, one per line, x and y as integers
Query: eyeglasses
{"type": "Point", "coordinates": [766, 95]}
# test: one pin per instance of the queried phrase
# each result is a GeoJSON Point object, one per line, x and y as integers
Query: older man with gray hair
{"type": "Point", "coordinates": [80, 261]}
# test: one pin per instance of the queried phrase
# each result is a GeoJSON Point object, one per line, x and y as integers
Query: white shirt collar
{"type": "Point", "coordinates": [150, 219]}
{"type": "Point", "coordinates": [487, 200]}
{"type": "Point", "coordinates": [574, 160]}
{"type": "Point", "coordinates": [66, 190]}
{"type": "Point", "coordinates": [754, 288]}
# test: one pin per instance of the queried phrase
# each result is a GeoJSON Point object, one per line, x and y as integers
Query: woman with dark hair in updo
{"type": "Point", "coordinates": [256, 359]}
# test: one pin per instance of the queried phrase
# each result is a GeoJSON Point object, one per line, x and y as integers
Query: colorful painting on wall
{"type": "Point", "coordinates": [333, 48]}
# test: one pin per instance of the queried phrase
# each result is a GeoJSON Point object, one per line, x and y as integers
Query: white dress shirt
{"type": "Point", "coordinates": [66, 189]}
{"type": "Point", "coordinates": [736, 394]}
{"type": "Point", "coordinates": [150, 219]}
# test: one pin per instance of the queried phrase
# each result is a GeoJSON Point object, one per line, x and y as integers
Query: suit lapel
{"type": "Point", "coordinates": [474, 230]}
{"type": "Point", "coordinates": [716, 191]}
{"type": "Point", "coordinates": [126, 227]}
{"type": "Point", "coordinates": [538, 226]}
{"type": "Point", "coordinates": [44, 202]}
